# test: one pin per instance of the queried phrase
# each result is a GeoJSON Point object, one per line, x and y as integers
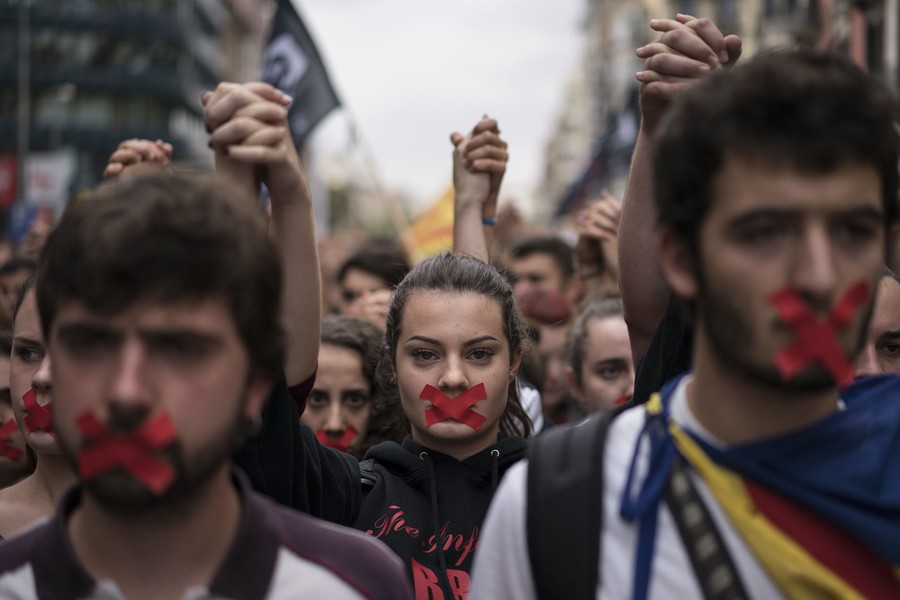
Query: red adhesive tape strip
{"type": "Point", "coordinates": [38, 417]}
{"type": "Point", "coordinates": [815, 339]}
{"type": "Point", "coordinates": [341, 443]}
{"type": "Point", "coordinates": [7, 449]}
{"type": "Point", "coordinates": [133, 452]}
{"type": "Point", "coordinates": [443, 407]}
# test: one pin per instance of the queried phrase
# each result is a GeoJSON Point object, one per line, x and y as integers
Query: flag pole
{"type": "Point", "coordinates": [398, 217]}
{"type": "Point", "coordinates": [292, 63]}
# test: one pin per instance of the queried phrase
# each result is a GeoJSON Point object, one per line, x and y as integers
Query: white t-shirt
{"type": "Point", "coordinates": [502, 568]}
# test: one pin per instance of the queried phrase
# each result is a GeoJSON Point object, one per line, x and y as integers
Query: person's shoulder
{"type": "Point", "coordinates": [18, 550]}
{"type": "Point", "coordinates": [362, 562]}
{"type": "Point", "coordinates": [516, 475]}
{"type": "Point", "coordinates": [870, 389]}
{"type": "Point", "coordinates": [562, 451]}
{"type": "Point", "coordinates": [19, 512]}
{"type": "Point", "coordinates": [624, 430]}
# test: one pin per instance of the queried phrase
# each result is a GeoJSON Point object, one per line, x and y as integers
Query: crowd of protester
{"type": "Point", "coordinates": [694, 399]}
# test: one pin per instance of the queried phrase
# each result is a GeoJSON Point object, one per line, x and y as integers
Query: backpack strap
{"type": "Point", "coordinates": [565, 480]}
{"type": "Point", "coordinates": [716, 572]}
{"type": "Point", "coordinates": [367, 472]}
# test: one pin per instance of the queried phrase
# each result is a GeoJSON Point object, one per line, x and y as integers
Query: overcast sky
{"type": "Point", "coordinates": [413, 71]}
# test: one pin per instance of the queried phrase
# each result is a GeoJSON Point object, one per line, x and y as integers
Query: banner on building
{"type": "Point", "coordinates": [292, 64]}
{"type": "Point", "coordinates": [50, 175]}
{"type": "Point", "coordinates": [611, 157]}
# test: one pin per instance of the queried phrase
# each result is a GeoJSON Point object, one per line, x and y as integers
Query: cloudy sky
{"type": "Point", "coordinates": [410, 72]}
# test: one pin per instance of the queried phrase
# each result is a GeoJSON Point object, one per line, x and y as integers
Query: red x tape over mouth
{"type": "Point", "coordinates": [459, 407]}
{"type": "Point", "coordinates": [7, 450]}
{"type": "Point", "coordinates": [341, 443]}
{"type": "Point", "coordinates": [816, 339]}
{"type": "Point", "coordinates": [38, 417]}
{"type": "Point", "coordinates": [134, 452]}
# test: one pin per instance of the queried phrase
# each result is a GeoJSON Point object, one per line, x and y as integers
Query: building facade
{"type": "Point", "coordinates": [96, 72]}
{"type": "Point", "coordinates": [866, 30]}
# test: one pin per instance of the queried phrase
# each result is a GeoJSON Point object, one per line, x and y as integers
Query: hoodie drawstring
{"type": "Point", "coordinates": [436, 526]}
{"type": "Point", "coordinates": [495, 478]}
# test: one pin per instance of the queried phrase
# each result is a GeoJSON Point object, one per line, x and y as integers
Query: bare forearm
{"type": "Point", "coordinates": [644, 290]}
{"type": "Point", "coordinates": [294, 233]}
{"type": "Point", "coordinates": [479, 162]}
{"type": "Point", "coordinates": [240, 176]}
{"type": "Point", "coordinates": [469, 233]}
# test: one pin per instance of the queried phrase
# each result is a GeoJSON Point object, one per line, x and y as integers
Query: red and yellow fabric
{"type": "Point", "coordinates": [432, 231]}
{"type": "Point", "coordinates": [805, 555]}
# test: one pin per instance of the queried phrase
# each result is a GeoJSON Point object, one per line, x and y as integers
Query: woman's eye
{"type": "Point", "coordinates": [481, 353]}
{"type": "Point", "coordinates": [29, 354]}
{"type": "Point", "coordinates": [355, 400]}
{"type": "Point", "coordinates": [317, 399]}
{"type": "Point", "coordinates": [610, 372]}
{"type": "Point", "coordinates": [423, 354]}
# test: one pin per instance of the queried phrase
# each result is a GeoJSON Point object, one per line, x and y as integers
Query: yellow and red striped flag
{"type": "Point", "coordinates": [432, 231]}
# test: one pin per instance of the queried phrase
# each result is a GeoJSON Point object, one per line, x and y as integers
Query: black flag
{"type": "Point", "coordinates": [292, 64]}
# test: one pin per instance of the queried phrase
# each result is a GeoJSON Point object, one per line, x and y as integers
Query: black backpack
{"type": "Point", "coordinates": [565, 470]}
{"type": "Point", "coordinates": [565, 479]}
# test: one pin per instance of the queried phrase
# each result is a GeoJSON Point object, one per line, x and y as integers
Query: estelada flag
{"type": "Point", "coordinates": [432, 231]}
{"type": "Point", "coordinates": [820, 508]}
{"type": "Point", "coordinates": [293, 65]}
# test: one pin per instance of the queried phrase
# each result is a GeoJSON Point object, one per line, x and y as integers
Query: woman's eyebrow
{"type": "Point", "coordinates": [422, 338]}
{"type": "Point", "coordinates": [481, 339]}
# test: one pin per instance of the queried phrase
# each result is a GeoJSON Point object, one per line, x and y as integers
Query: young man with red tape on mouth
{"type": "Point", "coordinates": [161, 298]}
{"type": "Point", "coordinates": [757, 475]}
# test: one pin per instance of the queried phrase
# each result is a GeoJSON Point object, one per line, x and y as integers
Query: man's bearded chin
{"type": "Point", "coordinates": [119, 492]}
{"type": "Point", "coordinates": [729, 332]}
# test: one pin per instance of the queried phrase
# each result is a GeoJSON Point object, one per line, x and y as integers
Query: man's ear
{"type": "Point", "coordinates": [258, 389]}
{"type": "Point", "coordinates": [677, 263]}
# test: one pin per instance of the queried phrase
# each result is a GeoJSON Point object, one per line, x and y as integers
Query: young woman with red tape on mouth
{"type": "Point", "coordinates": [342, 406]}
{"type": "Point", "coordinates": [33, 498]}
{"type": "Point", "coordinates": [454, 341]}
{"type": "Point", "coordinates": [453, 344]}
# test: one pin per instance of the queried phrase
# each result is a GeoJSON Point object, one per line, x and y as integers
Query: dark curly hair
{"type": "Point", "coordinates": [805, 109]}
{"type": "Point", "coordinates": [168, 238]}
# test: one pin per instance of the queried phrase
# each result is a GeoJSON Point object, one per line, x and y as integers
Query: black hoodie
{"type": "Point", "coordinates": [391, 494]}
{"type": "Point", "coordinates": [412, 493]}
